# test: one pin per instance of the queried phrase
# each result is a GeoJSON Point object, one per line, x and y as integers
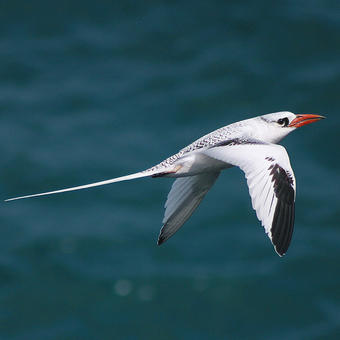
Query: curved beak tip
{"type": "Point", "coordinates": [320, 117]}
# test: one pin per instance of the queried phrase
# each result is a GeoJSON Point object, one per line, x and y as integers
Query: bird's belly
{"type": "Point", "coordinates": [197, 163]}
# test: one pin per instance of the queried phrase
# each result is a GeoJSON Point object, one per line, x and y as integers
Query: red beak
{"type": "Point", "coordinates": [302, 120]}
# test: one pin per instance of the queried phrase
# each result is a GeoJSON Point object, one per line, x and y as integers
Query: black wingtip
{"type": "Point", "coordinates": [160, 240]}
{"type": "Point", "coordinates": [283, 220]}
{"type": "Point", "coordinates": [279, 252]}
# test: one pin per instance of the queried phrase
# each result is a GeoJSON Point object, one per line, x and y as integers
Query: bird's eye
{"type": "Point", "coordinates": [283, 121]}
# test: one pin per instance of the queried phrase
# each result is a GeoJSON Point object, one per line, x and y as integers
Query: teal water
{"type": "Point", "coordinates": [94, 90]}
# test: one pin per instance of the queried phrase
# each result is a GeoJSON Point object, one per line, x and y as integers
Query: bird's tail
{"type": "Point", "coordinates": [145, 173]}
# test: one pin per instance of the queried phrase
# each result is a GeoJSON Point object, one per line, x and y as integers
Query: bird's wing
{"type": "Point", "coordinates": [184, 197]}
{"type": "Point", "coordinates": [271, 183]}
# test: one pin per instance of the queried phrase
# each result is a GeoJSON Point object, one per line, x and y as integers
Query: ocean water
{"type": "Point", "coordinates": [93, 90]}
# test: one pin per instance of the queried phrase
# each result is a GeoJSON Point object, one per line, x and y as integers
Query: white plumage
{"type": "Point", "coordinates": [249, 145]}
{"type": "Point", "coordinates": [184, 197]}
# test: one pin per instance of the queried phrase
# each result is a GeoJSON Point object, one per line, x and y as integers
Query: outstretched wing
{"type": "Point", "coordinates": [184, 197]}
{"type": "Point", "coordinates": [271, 183]}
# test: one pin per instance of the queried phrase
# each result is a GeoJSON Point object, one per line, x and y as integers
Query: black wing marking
{"type": "Point", "coordinates": [237, 141]}
{"type": "Point", "coordinates": [283, 221]}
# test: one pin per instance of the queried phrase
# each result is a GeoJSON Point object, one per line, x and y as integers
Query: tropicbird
{"type": "Point", "coordinates": [249, 144]}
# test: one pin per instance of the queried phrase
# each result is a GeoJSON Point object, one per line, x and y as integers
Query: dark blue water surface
{"type": "Point", "coordinates": [93, 90]}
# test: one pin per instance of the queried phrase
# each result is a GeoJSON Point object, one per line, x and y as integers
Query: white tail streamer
{"type": "Point", "coordinates": [91, 185]}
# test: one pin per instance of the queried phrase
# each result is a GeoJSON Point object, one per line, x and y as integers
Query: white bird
{"type": "Point", "coordinates": [251, 145]}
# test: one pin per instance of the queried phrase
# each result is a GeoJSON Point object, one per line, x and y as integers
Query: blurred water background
{"type": "Point", "coordinates": [93, 90]}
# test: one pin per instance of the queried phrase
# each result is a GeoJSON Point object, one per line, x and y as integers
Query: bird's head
{"type": "Point", "coordinates": [273, 127]}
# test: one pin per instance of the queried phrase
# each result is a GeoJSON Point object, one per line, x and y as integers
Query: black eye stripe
{"type": "Point", "coordinates": [283, 121]}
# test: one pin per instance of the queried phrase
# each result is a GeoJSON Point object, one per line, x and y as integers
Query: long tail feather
{"type": "Point", "coordinates": [91, 185]}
